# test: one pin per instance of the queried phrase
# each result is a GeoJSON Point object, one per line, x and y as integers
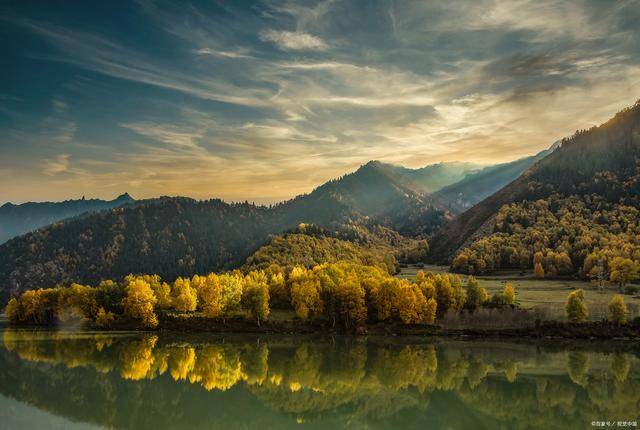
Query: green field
{"type": "Point", "coordinates": [546, 295]}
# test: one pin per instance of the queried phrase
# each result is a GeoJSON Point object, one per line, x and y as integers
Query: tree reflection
{"type": "Point", "coordinates": [364, 381]}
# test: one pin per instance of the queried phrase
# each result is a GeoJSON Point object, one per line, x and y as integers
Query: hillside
{"type": "Point", "coordinates": [19, 219]}
{"type": "Point", "coordinates": [181, 236]}
{"type": "Point", "coordinates": [476, 186]}
{"type": "Point", "coordinates": [374, 194]}
{"type": "Point", "coordinates": [596, 164]}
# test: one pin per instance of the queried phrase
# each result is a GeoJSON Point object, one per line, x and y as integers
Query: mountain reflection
{"type": "Point", "coordinates": [145, 381]}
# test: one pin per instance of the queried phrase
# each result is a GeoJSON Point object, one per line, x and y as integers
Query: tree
{"type": "Point", "coordinates": [139, 302]}
{"type": "Point", "coordinates": [509, 294]}
{"type": "Point", "coordinates": [623, 271]}
{"type": "Point", "coordinates": [184, 296]}
{"type": "Point", "coordinates": [279, 294]}
{"type": "Point", "coordinates": [210, 296]}
{"type": "Point", "coordinates": [77, 302]}
{"type": "Point", "coordinates": [305, 293]}
{"type": "Point", "coordinates": [351, 305]}
{"type": "Point", "coordinates": [256, 295]}
{"type": "Point", "coordinates": [575, 309]}
{"type": "Point", "coordinates": [104, 319]}
{"type": "Point", "coordinates": [12, 311]}
{"type": "Point", "coordinates": [476, 295]}
{"type": "Point", "coordinates": [231, 286]}
{"type": "Point", "coordinates": [538, 270]}
{"type": "Point", "coordinates": [618, 310]}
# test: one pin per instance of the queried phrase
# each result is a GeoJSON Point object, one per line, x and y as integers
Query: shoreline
{"type": "Point", "coordinates": [599, 330]}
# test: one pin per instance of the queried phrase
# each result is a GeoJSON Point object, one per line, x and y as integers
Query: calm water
{"type": "Point", "coordinates": [135, 381]}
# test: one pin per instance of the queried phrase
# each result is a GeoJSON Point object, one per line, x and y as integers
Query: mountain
{"type": "Point", "coordinates": [180, 236]}
{"type": "Point", "coordinates": [19, 219]}
{"type": "Point", "coordinates": [433, 177]}
{"type": "Point", "coordinates": [477, 186]}
{"type": "Point", "coordinates": [375, 194]}
{"type": "Point", "coordinates": [598, 166]}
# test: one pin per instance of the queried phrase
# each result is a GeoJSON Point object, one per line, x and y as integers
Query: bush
{"type": "Point", "coordinates": [618, 310]}
{"type": "Point", "coordinates": [575, 309]}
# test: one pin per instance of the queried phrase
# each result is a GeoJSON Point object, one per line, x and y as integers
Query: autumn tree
{"type": "Point", "coordinates": [476, 295]}
{"type": "Point", "coordinates": [139, 302]}
{"type": "Point", "coordinates": [623, 271]}
{"type": "Point", "coordinates": [183, 296]}
{"type": "Point", "coordinates": [231, 287]}
{"type": "Point", "coordinates": [305, 293]}
{"type": "Point", "coordinates": [576, 309]}
{"type": "Point", "coordinates": [256, 295]}
{"type": "Point", "coordinates": [210, 296]}
{"type": "Point", "coordinates": [618, 310]}
{"type": "Point", "coordinates": [509, 294]}
{"type": "Point", "coordinates": [77, 302]}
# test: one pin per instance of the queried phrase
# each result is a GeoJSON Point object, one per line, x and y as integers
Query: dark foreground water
{"type": "Point", "coordinates": [136, 381]}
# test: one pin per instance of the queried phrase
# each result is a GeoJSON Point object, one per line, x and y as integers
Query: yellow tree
{"type": "Point", "coordinates": [575, 309]}
{"type": "Point", "coordinates": [509, 294]}
{"type": "Point", "coordinates": [623, 271]}
{"type": "Point", "coordinates": [305, 293]}
{"type": "Point", "coordinates": [256, 295]}
{"type": "Point", "coordinates": [351, 304]}
{"type": "Point", "coordinates": [210, 296]}
{"type": "Point", "coordinates": [184, 296]}
{"type": "Point", "coordinates": [618, 310]}
{"type": "Point", "coordinates": [476, 295]}
{"type": "Point", "coordinates": [139, 302]}
{"type": "Point", "coordinates": [77, 303]}
{"type": "Point", "coordinates": [231, 286]}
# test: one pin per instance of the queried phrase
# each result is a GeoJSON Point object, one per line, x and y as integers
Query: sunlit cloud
{"type": "Point", "coordinates": [268, 100]}
{"type": "Point", "coordinates": [293, 40]}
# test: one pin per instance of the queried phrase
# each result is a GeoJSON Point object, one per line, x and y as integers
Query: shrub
{"type": "Point", "coordinates": [575, 309]}
{"type": "Point", "coordinates": [618, 310]}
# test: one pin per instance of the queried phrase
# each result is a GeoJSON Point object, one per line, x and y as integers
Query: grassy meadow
{"type": "Point", "coordinates": [545, 295]}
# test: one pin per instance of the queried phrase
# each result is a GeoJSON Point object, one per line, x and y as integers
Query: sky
{"type": "Point", "coordinates": [265, 100]}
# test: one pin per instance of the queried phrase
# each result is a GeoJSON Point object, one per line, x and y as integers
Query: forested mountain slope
{"type": "Point", "coordinates": [476, 186]}
{"type": "Point", "coordinates": [593, 175]}
{"type": "Point", "coordinates": [19, 219]}
{"type": "Point", "coordinates": [181, 236]}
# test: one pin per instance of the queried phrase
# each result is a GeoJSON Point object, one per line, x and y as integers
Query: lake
{"type": "Point", "coordinates": [72, 380]}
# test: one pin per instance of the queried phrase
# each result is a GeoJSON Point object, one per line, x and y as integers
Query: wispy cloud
{"type": "Point", "coordinates": [266, 101]}
{"type": "Point", "coordinates": [58, 164]}
{"type": "Point", "coordinates": [294, 40]}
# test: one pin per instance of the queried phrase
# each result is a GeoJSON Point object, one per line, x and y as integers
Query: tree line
{"type": "Point", "coordinates": [340, 295]}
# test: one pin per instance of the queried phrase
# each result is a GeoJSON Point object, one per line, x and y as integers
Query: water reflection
{"type": "Point", "coordinates": [147, 381]}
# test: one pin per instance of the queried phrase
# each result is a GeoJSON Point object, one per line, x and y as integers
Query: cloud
{"type": "Point", "coordinates": [217, 53]}
{"type": "Point", "coordinates": [56, 165]}
{"type": "Point", "coordinates": [297, 41]}
{"type": "Point", "coordinates": [219, 100]}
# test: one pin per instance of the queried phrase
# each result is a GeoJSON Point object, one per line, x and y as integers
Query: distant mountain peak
{"type": "Point", "coordinates": [125, 196]}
